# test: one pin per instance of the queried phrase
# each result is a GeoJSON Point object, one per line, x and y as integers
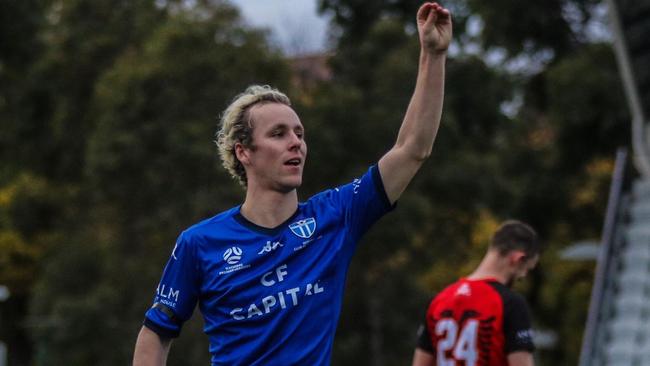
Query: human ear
{"type": "Point", "coordinates": [241, 153]}
{"type": "Point", "coordinates": [518, 257]}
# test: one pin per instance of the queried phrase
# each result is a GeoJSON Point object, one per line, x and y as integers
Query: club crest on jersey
{"type": "Point", "coordinates": [304, 228]}
{"type": "Point", "coordinates": [232, 255]}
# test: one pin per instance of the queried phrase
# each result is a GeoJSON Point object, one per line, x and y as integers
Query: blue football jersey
{"type": "Point", "coordinates": [269, 296]}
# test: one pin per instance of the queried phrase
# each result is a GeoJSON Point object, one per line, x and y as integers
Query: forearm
{"type": "Point", "coordinates": [150, 349]}
{"type": "Point", "coordinates": [521, 359]}
{"type": "Point", "coordinates": [418, 130]}
{"type": "Point", "coordinates": [422, 118]}
{"type": "Point", "coordinates": [422, 358]}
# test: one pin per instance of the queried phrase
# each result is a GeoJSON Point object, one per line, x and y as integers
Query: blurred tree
{"type": "Point", "coordinates": [124, 90]}
{"type": "Point", "coordinates": [363, 111]}
{"type": "Point", "coordinates": [20, 48]}
{"type": "Point", "coordinates": [534, 142]}
{"type": "Point", "coordinates": [556, 25]}
{"type": "Point", "coordinates": [108, 111]}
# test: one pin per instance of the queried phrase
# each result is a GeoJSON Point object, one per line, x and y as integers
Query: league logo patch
{"type": "Point", "coordinates": [304, 228]}
{"type": "Point", "coordinates": [232, 255]}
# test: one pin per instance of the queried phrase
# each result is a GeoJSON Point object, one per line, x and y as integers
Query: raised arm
{"type": "Point", "coordinates": [150, 349]}
{"type": "Point", "coordinates": [420, 125]}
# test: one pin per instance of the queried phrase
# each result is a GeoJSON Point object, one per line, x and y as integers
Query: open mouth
{"type": "Point", "coordinates": [293, 162]}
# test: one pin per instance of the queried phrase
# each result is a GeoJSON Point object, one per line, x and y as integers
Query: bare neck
{"type": "Point", "coordinates": [492, 266]}
{"type": "Point", "coordinates": [269, 208]}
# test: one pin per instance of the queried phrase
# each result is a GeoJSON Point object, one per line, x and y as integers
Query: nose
{"type": "Point", "coordinates": [294, 141]}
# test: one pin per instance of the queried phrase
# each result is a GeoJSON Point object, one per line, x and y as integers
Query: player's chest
{"type": "Point", "coordinates": [309, 246]}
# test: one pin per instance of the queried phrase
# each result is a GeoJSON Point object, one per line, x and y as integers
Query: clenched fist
{"type": "Point", "coordinates": [434, 27]}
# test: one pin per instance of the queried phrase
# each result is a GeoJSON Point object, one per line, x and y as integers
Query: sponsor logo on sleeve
{"type": "Point", "coordinates": [174, 251]}
{"type": "Point", "coordinates": [525, 336]}
{"type": "Point", "coordinates": [355, 184]}
{"type": "Point", "coordinates": [167, 295]}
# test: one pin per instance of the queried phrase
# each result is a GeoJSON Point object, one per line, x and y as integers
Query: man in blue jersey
{"type": "Point", "coordinates": [268, 275]}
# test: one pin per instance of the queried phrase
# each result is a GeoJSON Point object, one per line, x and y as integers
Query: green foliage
{"type": "Point", "coordinates": [108, 112]}
{"type": "Point", "coordinates": [28, 217]}
{"type": "Point", "coordinates": [542, 164]}
{"type": "Point", "coordinates": [126, 99]}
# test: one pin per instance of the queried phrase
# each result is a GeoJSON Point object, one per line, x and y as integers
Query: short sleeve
{"type": "Point", "coordinates": [517, 325]}
{"type": "Point", "coordinates": [424, 340]}
{"type": "Point", "coordinates": [177, 292]}
{"type": "Point", "coordinates": [362, 201]}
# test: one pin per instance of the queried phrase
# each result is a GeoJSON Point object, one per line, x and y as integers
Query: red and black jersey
{"type": "Point", "coordinates": [476, 323]}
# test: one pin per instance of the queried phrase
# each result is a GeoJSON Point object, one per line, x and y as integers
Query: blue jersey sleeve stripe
{"type": "Point", "coordinates": [167, 311]}
{"type": "Point", "coordinates": [379, 186]}
{"type": "Point", "coordinates": [162, 332]}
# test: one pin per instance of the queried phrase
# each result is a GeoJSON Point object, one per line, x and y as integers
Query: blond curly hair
{"type": "Point", "coordinates": [236, 126]}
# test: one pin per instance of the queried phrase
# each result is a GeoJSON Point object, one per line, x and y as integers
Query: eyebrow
{"type": "Point", "coordinates": [285, 125]}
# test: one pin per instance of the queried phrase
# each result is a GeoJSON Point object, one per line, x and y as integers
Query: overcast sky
{"type": "Point", "coordinates": [295, 24]}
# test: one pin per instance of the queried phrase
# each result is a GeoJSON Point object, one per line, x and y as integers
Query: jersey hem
{"type": "Point", "coordinates": [522, 348]}
{"type": "Point", "coordinates": [379, 186]}
{"type": "Point", "coordinates": [162, 332]}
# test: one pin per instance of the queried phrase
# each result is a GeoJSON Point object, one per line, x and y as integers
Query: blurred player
{"type": "Point", "coordinates": [478, 320]}
{"type": "Point", "coordinates": [268, 275]}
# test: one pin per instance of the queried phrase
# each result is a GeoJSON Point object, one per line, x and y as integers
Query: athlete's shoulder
{"type": "Point", "coordinates": [323, 201]}
{"type": "Point", "coordinates": [503, 290]}
{"type": "Point", "coordinates": [349, 186]}
{"type": "Point", "coordinates": [510, 297]}
{"type": "Point", "coordinates": [208, 225]}
{"type": "Point", "coordinates": [446, 292]}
